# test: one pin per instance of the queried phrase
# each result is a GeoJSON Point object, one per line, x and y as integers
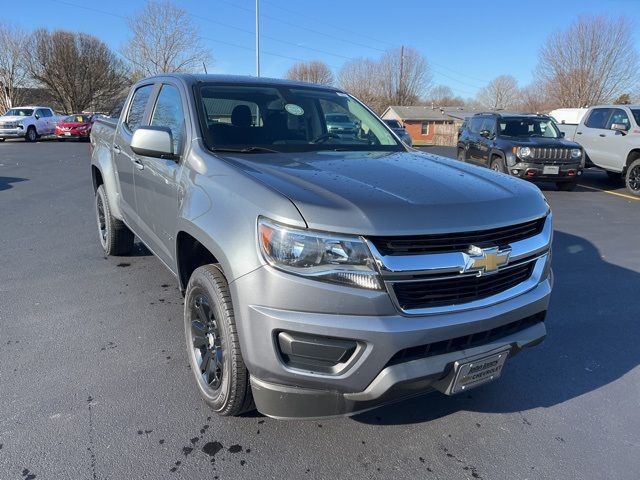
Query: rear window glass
{"type": "Point", "coordinates": [636, 115]}
{"type": "Point", "coordinates": [138, 106]}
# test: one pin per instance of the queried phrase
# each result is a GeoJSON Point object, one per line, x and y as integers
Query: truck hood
{"type": "Point", "coordinates": [394, 193]}
{"type": "Point", "coordinates": [542, 142]}
{"type": "Point", "coordinates": [12, 118]}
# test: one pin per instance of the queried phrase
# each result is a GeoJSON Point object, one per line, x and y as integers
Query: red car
{"type": "Point", "coordinates": [74, 126]}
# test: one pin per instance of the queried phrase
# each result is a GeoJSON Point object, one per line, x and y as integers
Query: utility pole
{"type": "Point", "coordinates": [257, 38]}
{"type": "Point", "coordinates": [400, 83]}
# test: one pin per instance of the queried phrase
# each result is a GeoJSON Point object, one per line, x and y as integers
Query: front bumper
{"type": "Point", "coordinates": [12, 132]}
{"type": "Point", "coordinates": [368, 378]}
{"type": "Point", "coordinates": [72, 134]}
{"type": "Point", "coordinates": [535, 171]}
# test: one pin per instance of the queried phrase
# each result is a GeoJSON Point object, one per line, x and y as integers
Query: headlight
{"type": "Point", "coordinates": [321, 256]}
{"type": "Point", "coordinates": [524, 152]}
{"type": "Point", "coordinates": [576, 153]}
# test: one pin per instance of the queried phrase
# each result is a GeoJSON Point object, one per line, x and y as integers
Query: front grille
{"type": "Point", "coordinates": [551, 153]}
{"type": "Point", "coordinates": [458, 289]}
{"type": "Point", "coordinates": [456, 242]}
{"type": "Point", "coordinates": [465, 341]}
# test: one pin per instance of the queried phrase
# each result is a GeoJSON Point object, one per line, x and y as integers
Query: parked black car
{"type": "Point", "coordinates": [399, 130]}
{"type": "Point", "coordinates": [523, 145]}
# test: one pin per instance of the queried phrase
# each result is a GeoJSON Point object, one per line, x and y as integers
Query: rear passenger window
{"type": "Point", "coordinates": [598, 118]}
{"type": "Point", "coordinates": [168, 113]}
{"type": "Point", "coordinates": [138, 105]}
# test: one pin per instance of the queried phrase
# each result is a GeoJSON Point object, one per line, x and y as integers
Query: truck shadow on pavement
{"type": "Point", "coordinates": [592, 340]}
{"type": "Point", "coordinates": [5, 182]}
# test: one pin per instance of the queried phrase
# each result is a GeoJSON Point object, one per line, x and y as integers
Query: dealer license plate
{"type": "Point", "coordinates": [68, 134]}
{"type": "Point", "coordinates": [477, 372]}
{"type": "Point", "coordinates": [550, 170]}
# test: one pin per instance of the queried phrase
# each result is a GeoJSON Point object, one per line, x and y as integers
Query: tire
{"type": "Point", "coordinates": [213, 346]}
{"type": "Point", "coordinates": [115, 236]}
{"type": "Point", "coordinates": [462, 155]}
{"type": "Point", "coordinates": [31, 135]}
{"type": "Point", "coordinates": [566, 186]}
{"type": "Point", "coordinates": [497, 165]}
{"type": "Point", "coordinates": [632, 178]}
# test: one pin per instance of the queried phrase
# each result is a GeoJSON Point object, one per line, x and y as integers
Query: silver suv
{"type": "Point", "coordinates": [323, 274]}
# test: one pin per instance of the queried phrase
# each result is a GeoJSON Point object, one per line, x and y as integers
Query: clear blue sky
{"type": "Point", "coordinates": [467, 42]}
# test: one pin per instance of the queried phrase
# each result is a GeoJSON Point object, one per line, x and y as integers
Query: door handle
{"type": "Point", "coordinates": [117, 149]}
{"type": "Point", "coordinates": [578, 133]}
{"type": "Point", "coordinates": [602, 135]}
{"type": "Point", "coordinates": [139, 165]}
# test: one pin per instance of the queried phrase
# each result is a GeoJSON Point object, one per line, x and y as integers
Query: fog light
{"type": "Point", "coordinates": [515, 171]}
{"type": "Point", "coordinates": [314, 352]}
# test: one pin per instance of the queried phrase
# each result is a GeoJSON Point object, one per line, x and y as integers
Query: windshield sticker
{"type": "Point", "coordinates": [294, 109]}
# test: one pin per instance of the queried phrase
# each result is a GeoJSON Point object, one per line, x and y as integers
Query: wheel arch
{"type": "Point", "coordinates": [631, 157]}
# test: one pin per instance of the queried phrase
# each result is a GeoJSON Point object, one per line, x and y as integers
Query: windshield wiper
{"type": "Point", "coordinates": [246, 150]}
{"type": "Point", "coordinates": [324, 137]}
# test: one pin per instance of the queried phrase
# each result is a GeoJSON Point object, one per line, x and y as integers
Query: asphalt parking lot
{"type": "Point", "coordinates": [94, 380]}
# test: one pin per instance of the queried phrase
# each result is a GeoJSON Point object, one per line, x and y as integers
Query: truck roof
{"type": "Point", "coordinates": [191, 79]}
{"type": "Point", "coordinates": [31, 106]}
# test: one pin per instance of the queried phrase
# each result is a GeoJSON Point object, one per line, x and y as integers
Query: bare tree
{"type": "Point", "coordinates": [79, 70]}
{"type": "Point", "coordinates": [405, 76]}
{"type": "Point", "coordinates": [443, 96]}
{"type": "Point", "coordinates": [501, 93]}
{"type": "Point", "coordinates": [594, 61]}
{"type": "Point", "coordinates": [534, 98]}
{"type": "Point", "coordinates": [400, 77]}
{"type": "Point", "coordinates": [13, 74]}
{"type": "Point", "coordinates": [313, 71]}
{"type": "Point", "coordinates": [360, 77]}
{"type": "Point", "coordinates": [163, 40]}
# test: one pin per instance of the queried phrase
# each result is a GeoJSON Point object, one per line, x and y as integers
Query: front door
{"type": "Point", "coordinates": [157, 182]}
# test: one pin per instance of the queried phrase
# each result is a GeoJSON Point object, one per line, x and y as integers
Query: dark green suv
{"type": "Point", "coordinates": [522, 145]}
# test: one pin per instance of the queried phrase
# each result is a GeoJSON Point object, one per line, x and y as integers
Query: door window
{"type": "Point", "coordinates": [619, 116]}
{"type": "Point", "coordinates": [137, 107]}
{"type": "Point", "coordinates": [474, 124]}
{"type": "Point", "coordinates": [488, 123]}
{"type": "Point", "coordinates": [168, 113]}
{"type": "Point", "coordinates": [598, 118]}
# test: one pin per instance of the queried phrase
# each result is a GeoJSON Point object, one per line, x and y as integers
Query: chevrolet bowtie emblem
{"type": "Point", "coordinates": [485, 260]}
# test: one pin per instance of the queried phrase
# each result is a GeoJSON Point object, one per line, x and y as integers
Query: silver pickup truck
{"type": "Point", "coordinates": [323, 274]}
{"type": "Point", "coordinates": [610, 136]}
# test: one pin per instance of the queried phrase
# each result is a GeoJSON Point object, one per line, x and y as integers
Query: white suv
{"type": "Point", "coordinates": [27, 122]}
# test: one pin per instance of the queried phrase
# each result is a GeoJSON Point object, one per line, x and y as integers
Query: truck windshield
{"type": "Point", "coordinates": [528, 127]}
{"type": "Point", "coordinates": [255, 118]}
{"type": "Point", "coordinates": [19, 112]}
{"type": "Point", "coordinates": [636, 115]}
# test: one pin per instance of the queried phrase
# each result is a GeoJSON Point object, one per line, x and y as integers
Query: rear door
{"type": "Point", "coordinates": [591, 135]}
{"type": "Point", "coordinates": [473, 150]}
{"type": "Point", "coordinates": [157, 182]}
{"type": "Point", "coordinates": [126, 162]}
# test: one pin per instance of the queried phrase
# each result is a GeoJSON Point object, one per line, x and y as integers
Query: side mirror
{"type": "Point", "coordinates": [485, 133]}
{"type": "Point", "coordinates": [561, 134]}
{"type": "Point", "coordinates": [619, 127]}
{"type": "Point", "coordinates": [153, 142]}
{"type": "Point", "coordinates": [37, 116]}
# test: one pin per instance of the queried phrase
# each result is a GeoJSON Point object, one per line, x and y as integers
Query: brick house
{"type": "Point", "coordinates": [427, 125]}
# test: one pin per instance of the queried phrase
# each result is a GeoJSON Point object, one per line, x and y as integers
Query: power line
{"type": "Point", "coordinates": [351, 42]}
